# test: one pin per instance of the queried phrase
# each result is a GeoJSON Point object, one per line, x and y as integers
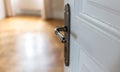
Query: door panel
{"type": "Point", "coordinates": [95, 36]}
{"type": "Point", "coordinates": [113, 4]}
{"type": "Point", "coordinates": [87, 64]}
{"type": "Point", "coordinates": [103, 47]}
{"type": "Point", "coordinates": [107, 14]}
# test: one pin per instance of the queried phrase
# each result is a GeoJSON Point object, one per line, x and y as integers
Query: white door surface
{"type": "Point", "coordinates": [95, 36]}
{"type": "Point", "coordinates": [2, 9]}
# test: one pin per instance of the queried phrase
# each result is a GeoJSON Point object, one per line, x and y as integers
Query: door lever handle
{"type": "Point", "coordinates": [63, 34]}
{"type": "Point", "coordinates": [60, 35]}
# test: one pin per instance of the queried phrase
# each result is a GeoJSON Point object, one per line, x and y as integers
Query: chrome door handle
{"type": "Point", "coordinates": [60, 35]}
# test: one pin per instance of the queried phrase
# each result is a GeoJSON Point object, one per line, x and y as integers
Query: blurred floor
{"type": "Point", "coordinates": [28, 44]}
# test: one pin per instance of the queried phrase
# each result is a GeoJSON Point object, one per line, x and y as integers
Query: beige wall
{"type": "Point", "coordinates": [2, 9]}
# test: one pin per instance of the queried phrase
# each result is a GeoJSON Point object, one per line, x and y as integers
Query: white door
{"type": "Point", "coordinates": [95, 36]}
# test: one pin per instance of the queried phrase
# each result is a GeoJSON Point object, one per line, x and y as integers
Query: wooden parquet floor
{"type": "Point", "coordinates": [28, 44]}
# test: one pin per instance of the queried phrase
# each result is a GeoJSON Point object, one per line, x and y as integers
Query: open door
{"type": "Point", "coordinates": [94, 36]}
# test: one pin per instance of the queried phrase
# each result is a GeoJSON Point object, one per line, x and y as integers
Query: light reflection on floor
{"type": "Point", "coordinates": [28, 44]}
{"type": "Point", "coordinates": [32, 43]}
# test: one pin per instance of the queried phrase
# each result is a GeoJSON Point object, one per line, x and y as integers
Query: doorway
{"type": "Point", "coordinates": [28, 42]}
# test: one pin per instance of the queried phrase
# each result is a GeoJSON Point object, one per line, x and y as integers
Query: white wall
{"type": "Point", "coordinates": [31, 4]}
{"type": "Point", "coordinates": [2, 9]}
{"type": "Point", "coordinates": [56, 7]}
{"type": "Point", "coordinates": [19, 5]}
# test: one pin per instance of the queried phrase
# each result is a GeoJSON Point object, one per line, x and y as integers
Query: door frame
{"type": "Point", "coordinates": [8, 8]}
{"type": "Point", "coordinates": [47, 9]}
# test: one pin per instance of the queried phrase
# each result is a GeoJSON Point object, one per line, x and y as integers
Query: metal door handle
{"type": "Point", "coordinates": [60, 35]}
{"type": "Point", "coordinates": [65, 38]}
